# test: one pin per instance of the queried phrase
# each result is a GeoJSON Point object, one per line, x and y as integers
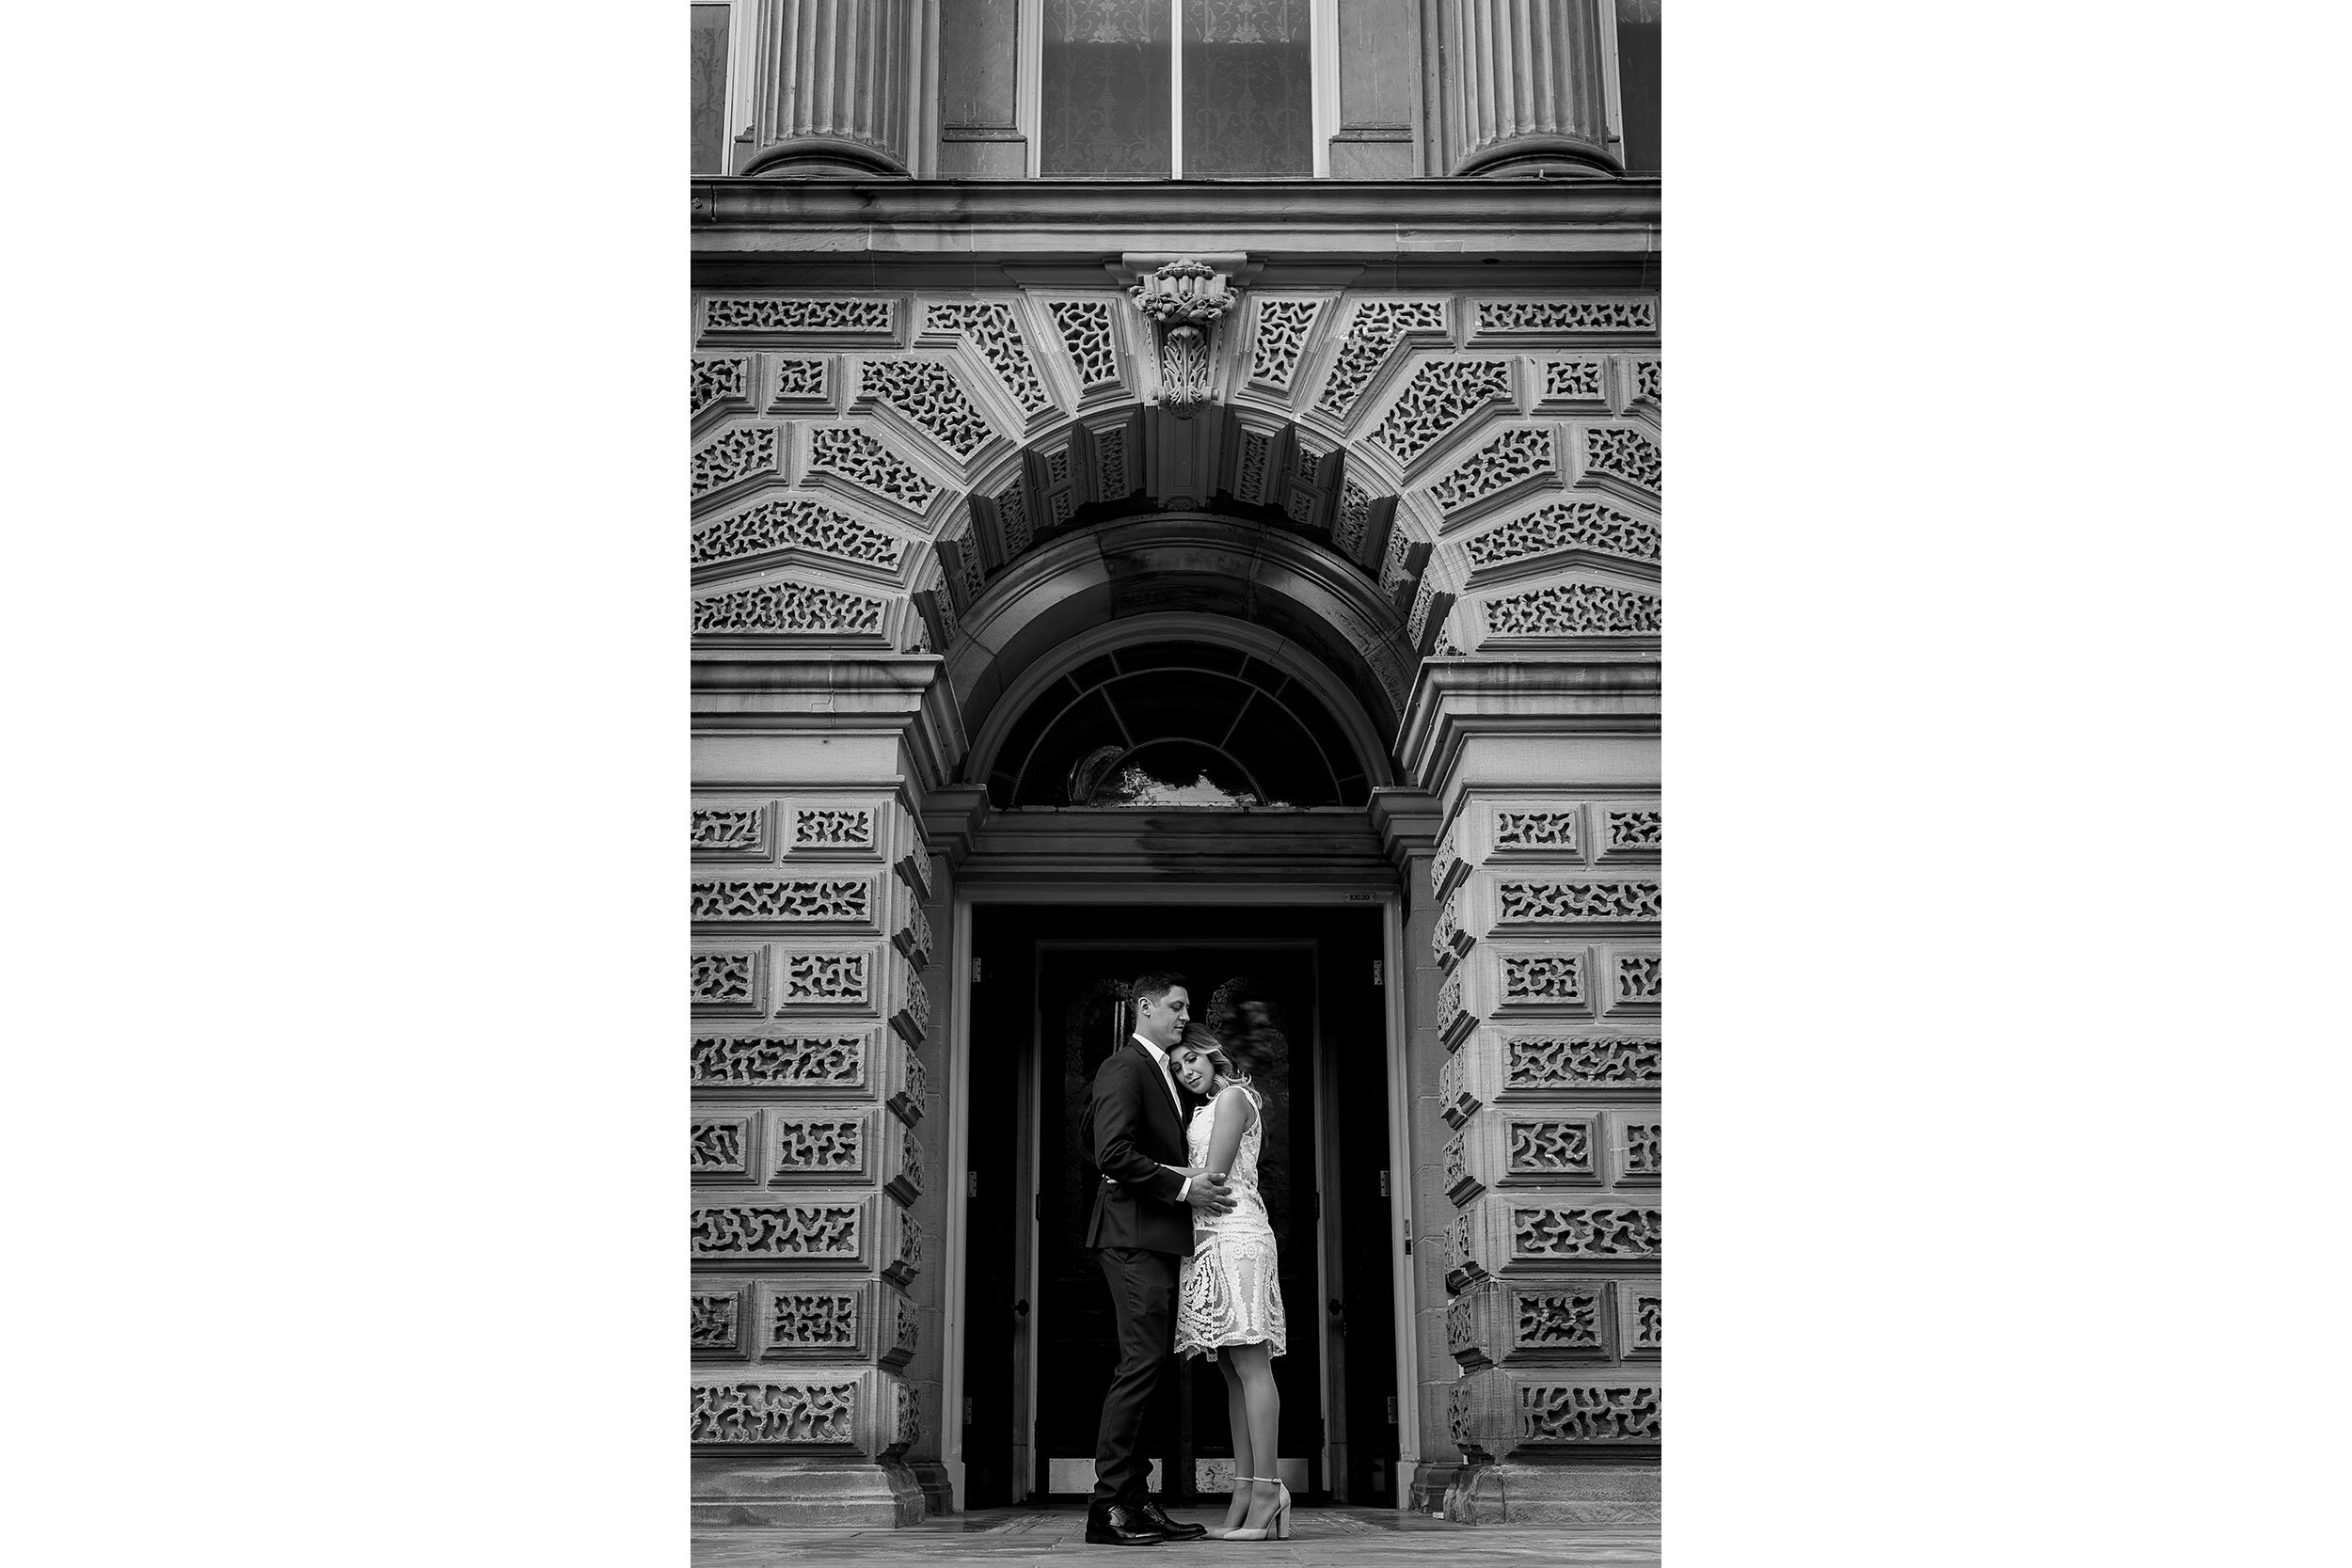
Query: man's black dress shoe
{"type": "Point", "coordinates": [1119, 1525]}
{"type": "Point", "coordinates": [1169, 1527]}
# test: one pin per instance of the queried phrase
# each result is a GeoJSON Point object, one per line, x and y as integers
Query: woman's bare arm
{"type": "Point", "coordinates": [1232, 1118]}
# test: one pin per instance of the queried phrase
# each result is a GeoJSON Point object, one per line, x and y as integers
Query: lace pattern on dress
{"type": "Point", "coordinates": [1227, 1292]}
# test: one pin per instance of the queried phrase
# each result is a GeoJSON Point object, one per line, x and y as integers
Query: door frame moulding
{"type": "Point", "coordinates": [958, 1074]}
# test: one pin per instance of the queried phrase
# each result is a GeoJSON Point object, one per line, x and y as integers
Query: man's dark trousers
{"type": "Point", "coordinates": [1143, 1298]}
{"type": "Point", "coordinates": [1140, 1226]}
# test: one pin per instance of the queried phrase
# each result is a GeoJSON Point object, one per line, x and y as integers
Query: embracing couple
{"type": "Point", "coordinates": [1175, 1127]}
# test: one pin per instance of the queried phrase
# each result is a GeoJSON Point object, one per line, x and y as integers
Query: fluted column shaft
{"type": "Point", "coordinates": [830, 88]}
{"type": "Point", "coordinates": [1527, 86]}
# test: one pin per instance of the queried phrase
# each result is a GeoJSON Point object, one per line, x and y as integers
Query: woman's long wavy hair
{"type": "Point", "coordinates": [1238, 1059]}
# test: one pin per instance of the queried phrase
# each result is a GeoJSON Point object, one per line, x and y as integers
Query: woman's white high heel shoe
{"type": "Point", "coordinates": [1278, 1528]}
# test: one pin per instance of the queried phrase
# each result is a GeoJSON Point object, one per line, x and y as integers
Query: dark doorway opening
{"type": "Point", "coordinates": [1048, 1006]}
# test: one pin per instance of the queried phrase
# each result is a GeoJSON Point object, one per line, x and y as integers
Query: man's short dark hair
{"type": "Point", "coordinates": [1153, 987]}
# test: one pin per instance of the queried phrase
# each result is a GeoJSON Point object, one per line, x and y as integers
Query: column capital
{"type": "Point", "coordinates": [1459, 702]}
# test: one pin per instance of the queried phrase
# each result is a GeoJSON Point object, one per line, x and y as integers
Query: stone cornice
{"type": "Point", "coordinates": [1407, 821]}
{"type": "Point", "coordinates": [1604, 233]}
{"type": "Point", "coordinates": [814, 694]}
{"type": "Point", "coordinates": [1457, 698]}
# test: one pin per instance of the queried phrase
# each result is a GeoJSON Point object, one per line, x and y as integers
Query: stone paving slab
{"type": "Point", "coordinates": [1056, 1537]}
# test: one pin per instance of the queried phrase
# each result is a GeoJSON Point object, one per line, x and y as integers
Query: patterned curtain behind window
{"type": "Point", "coordinates": [1249, 88]}
{"type": "Point", "coordinates": [1105, 88]}
{"type": "Point", "coordinates": [709, 91]}
{"type": "Point", "coordinates": [1638, 81]}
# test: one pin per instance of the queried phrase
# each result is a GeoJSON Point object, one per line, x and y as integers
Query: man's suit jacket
{"type": "Point", "coordinates": [1136, 1134]}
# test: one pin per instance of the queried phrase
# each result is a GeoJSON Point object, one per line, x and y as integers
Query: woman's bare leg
{"type": "Point", "coordinates": [1237, 1413]}
{"type": "Point", "coordinates": [1264, 1405]}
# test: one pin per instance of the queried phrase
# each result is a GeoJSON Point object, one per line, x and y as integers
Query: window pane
{"type": "Point", "coordinates": [710, 88]}
{"type": "Point", "coordinates": [1249, 88]}
{"type": "Point", "coordinates": [1637, 82]}
{"type": "Point", "coordinates": [1105, 88]}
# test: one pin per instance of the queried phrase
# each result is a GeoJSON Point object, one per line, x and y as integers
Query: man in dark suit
{"type": "Point", "coordinates": [1141, 1225]}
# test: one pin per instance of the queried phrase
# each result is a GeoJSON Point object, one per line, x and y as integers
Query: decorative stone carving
{"type": "Point", "coordinates": [1646, 382]}
{"type": "Point", "coordinates": [1573, 903]}
{"type": "Point", "coordinates": [1575, 610]}
{"type": "Point", "coordinates": [1085, 325]}
{"type": "Point", "coordinates": [1373, 331]}
{"type": "Point", "coordinates": [1573, 381]}
{"type": "Point", "coordinates": [1543, 978]}
{"type": "Point", "coordinates": [906, 1184]}
{"type": "Point", "coordinates": [719, 1147]}
{"type": "Point", "coordinates": [720, 381]}
{"type": "Point", "coordinates": [1636, 829]}
{"type": "Point", "coordinates": [913, 1020]}
{"type": "Point", "coordinates": [731, 831]}
{"type": "Point", "coordinates": [716, 1321]}
{"type": "Point", "coordinates": [825, 979]}
{"type": "Point", "coordinates": [725, 980]}
{"type": "Point", "coordinates": [1565, 1318]}
{"type": "Point", "coordinates": [928, 395]}
{"type": "Point", "coordinates": [795, 523]}
{"type": "Point", "coordinates": [779, 1061]}
{"type": "Point", "coordinates": [796, 1413]}
{"type": "Point", "coordinates": [1113, 476]}
{"type": "Point", "coordinates": [804, 1320]}
{"type": "Point", "coordinates": [1440, 397]}
{"type": "Point", "coordinates": [914, 939]}
{"type": "Point", "coordinates": [1279, 341]}
{"type": "Point", "coordinates": [1625, 454]}
{"type": "Point", "coordinates": [1183, 299]}
{"type": "Point", "coordinates": [906, 1102]}
{"type": "Point", "coordinates": [1537, 830]}
{"type": "Point", "coordinates": [905, 1327]}
{"type": "Point", "coordinates": [1013, 525]}
{"type": "Point", "coordinates": [1639, 978]}
{"type": "Point", "coordinates": [1547, 1149]}
{"type": "Point", "coordinates": [733, 456]}
{"type": "Point", "coordinates": [1425, 600]}
{"type": "Point", "coordinates": [857, 458]}
{"type": "Point", "coordinates": [1510, 460]}
{"type": "Point", "coordinates": [790, 608]}
{"type": "Point", "coordinates": [1588, 1413]}
{"type": "Point", "coordinates": [1453, 1018]}
{"type": "Point", "coordinates": [785, 900]}
{"type": "Point", "coordinates": [801, 384]}
{"type": "Point", "coordinates": [1644, 1155]}
{"type": "Point", "coordinates": [1540, 1062]}
{"type": "Point", "coordinates": [832, 828]}
{"type": "Point", "coordinates": [808, 1231]}
{"type": "Point", "coordinates": [1562, 526]}
{"type": "Point", "coordinates": [1347, 530]}
{"type": "Point", "coordinates": [830, 316]}
{"type": "Point", "coordinates": [818, 1146]}
{"type": "Point", "coordinates": [1443, 863]}
{"type": "Point", "coordinates": [1547, 1232]}
{"type": "Point", "coordinates": [1567, 315]}
{"type": "Point", "coordinates": [1640, 1328]}
{"type": "Point", "coordinates": [988, 326]}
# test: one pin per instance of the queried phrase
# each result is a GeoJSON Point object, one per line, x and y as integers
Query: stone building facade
{"type": "Point", "coordinates": [1385, 433]}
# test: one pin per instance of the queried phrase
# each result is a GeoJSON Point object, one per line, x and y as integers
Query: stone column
{"type": "Point", "coordinates": [1525, 86]}
{"type": "Point", "coordinates": [831, 88]}
{"type": "Point", "coordinates": [817, 1193]}
{"type": "Point", "coordinates": [1539, 1212]}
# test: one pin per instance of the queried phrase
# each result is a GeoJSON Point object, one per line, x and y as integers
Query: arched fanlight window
{"type": "Point", "coordinates": [1177, 724]}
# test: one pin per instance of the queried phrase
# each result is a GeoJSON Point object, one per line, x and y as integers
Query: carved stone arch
{"type": "Point", "coordinates": [1370, 744]}
{"type": "Point", "coordinates": [1197, 564]}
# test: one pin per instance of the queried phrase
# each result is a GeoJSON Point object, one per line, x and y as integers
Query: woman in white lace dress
{"type": "Point", "coordinates": [1228, 1303]}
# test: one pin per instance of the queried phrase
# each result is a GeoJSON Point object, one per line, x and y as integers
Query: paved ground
{"type": "Point", "coordinates": [1056, 1537]}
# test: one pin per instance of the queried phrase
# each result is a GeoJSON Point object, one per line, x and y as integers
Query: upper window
{"type": "Point", "coordinates": [1191, 89]}
{"type": "Point", "coordinates": [1176, 724]}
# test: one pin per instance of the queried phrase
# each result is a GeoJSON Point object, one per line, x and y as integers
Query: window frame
{"type": "Point", "coordinates": [1323, 75]}
{"type": "Point", "coordinates": [743, 33]}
